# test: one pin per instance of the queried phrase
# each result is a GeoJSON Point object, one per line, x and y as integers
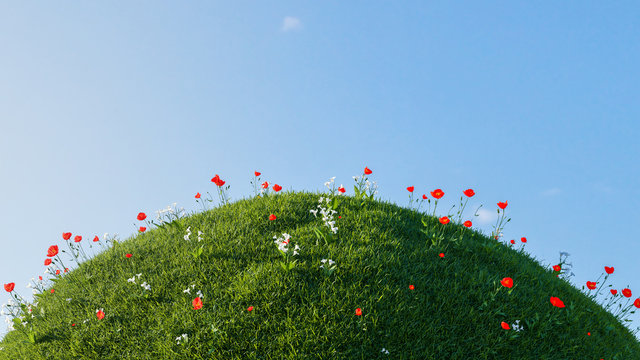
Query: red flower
{"type": "Point", "coordinates": [444, 220]}
{"type": "Point", "coordinates": [523, 239]}
{"type": "Point", "coordinates": [424, 196]}
{"type": "Point", "coordinates": [198, 196]}
{"type": "Point", "coordinates": [52, 290]}
{"type": "Point", "coordinates": [77, 238]}
{"type": "Point", "coordinates": [637, 303]}
{"type": "Point", "coordinates": [66, 235]}
{"type": "Point", "coordinates": [197, 303]}
{"type": "Point", "coordinates": [142, 216]}
{"type": "Point", "coordinates": [57, 272]}
{"type": "Point", "coordinates": [40, 277]}
{"type": "Point", "coordinates": [613, 291]}
{"type": "Point", "coordinates": [410, 189]}
{"type": "Point", "coordinates": [504, 325]}
{"type": "Point", "coordinates": [142, 229]}
{"type": "Point", "coordinates": [591, 285]}
{"type": "Point", "coordinates": [437, 193]}
{"type": "Point", "coordinates": [9, 287]}
{"type": "Point", "coordinates": [513, 241]}
{"type": "Point", "coordinates": [66, 270]}
{"type": "Point", "coordinates": [556, 302]}
{"type": "Point", "coordinates": [250, 308]}
{"type": "Point", "coordinates": [467, 223]}
{"type": "Point", "coordinates": [441, 255]}
{"type": "Point", "coordinates": [256, 173]}
{"type": "Point", "coordinates": [626, 292]}
{"type": "Point", "coordinates": [609, 270]}
{"type": "Point", "coordinates": [589, 333]}
{"type": "Point", "coordinates": [358, 310]}
{"type": "Point", "coordinates": [411, 287]}
{"type": "Point", "coordinates": [100, 314]}
{"type": "Point", "coordinates": [469, 192]}
{"type": "Point", "coordinates": [53, 251]}
{"type": "Point", "coordinates": [342, 190]}
{"type": "Point", "coordinates": [128, 255]}
{"type": "Point", "coordinates": [216, 179]}
{"type": "Point", "coordinates": [272, 217]}
{"type": "Point", "coordinates": [74, 324]}
{"type": "Point", "coordinates": [47, 262]}
{"type": "Point", "coordinates": [265, 185]}
{"type": "Point", "coordinates": [367, 171]}
{"type": "Point", "coordinates": [503, 205]}
{"type": "Point", "coordinates": [507, 282]}
{"type": "Point", "coordinates": [556, 267]}
{"type": "Point", "coordinates": [96, 239]}
{"type": "Point", "coordinates": [277, 187]}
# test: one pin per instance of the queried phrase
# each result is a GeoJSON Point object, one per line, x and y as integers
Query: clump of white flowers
{"type": "Point", "coordinates": [385, 351]}
{"type": "Point", "coordinates": [169, 214]}
{"type": "Point", "coordinates": [327, 214]}
{"type": "Point", "coordinates": [183, 337]}
{"type": "Point", "coordinates": [283, 243]}
{"type": "Point", "coordinates": [517, 326]}
{"type": "Point", "coordinates": [133, 279]}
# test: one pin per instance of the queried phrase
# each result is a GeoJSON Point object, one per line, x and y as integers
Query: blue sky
{"type": "Point", "coordinates": [109, 109]}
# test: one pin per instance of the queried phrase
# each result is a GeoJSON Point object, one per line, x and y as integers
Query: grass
{"type": "Point", "coordinates": [453, 312]}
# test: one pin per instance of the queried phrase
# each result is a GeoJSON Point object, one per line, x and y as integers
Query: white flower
{"type": "Point", "coordinates": [69, 299]}
{"type": "Point", "coordinates": [132, 280]}
{"type": "Point", "coordinates": [199, 293]}
{"type": "Point", "coordinates": [183, 337]}
{"type": "Point", "coordinates": [146, 286]}
{"type": "Point", "coordinates": [385, 351]}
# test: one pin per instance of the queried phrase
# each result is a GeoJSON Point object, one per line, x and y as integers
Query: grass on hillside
{"type": "Point", "coordinates": [412, 302]}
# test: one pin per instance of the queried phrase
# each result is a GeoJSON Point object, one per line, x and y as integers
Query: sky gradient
{"type": "Point", "coordinates": [110, 109]}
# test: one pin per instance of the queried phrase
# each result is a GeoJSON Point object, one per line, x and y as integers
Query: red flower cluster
{"type": "Point", "coordinates": [216, 179]}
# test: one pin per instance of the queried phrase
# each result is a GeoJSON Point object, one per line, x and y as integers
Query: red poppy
{"type": "Point", "coordinates": [57, 272]}
{"type": "Point", "coordinates": [444, 220]}
{"type": "Point", "coordinates": [198, 196]}
{"type": "Point", "coordinates": [342, 190]}
{"type": "Point", "coordinates": [556, 302]}
{"type": "Point", "coordinates": [367, 171]}
{"type": "Point", "coordinates": [608, 269]}
{"type": "Point", "coordinates": [216, 179]}
{"type": "Point", "coordinates": [66, 270]}
{"type": "Point", "coordinates": [637, 303]}
{"type": "Point", "coordinates": [523, 239]}
{"type": "Point", "coordinates": [556, 268]}
{"type": "Point", "coordinates": [197, 303]}
{"type": "Point", "coordinates": [339, 217]}
{"type": "Point", "coordinates": [503, 205]}
{"type": "Point", "coordinates": [358, 311]}
{"type": "Point", "coordinates": [469, 192]}
{"type": "Point", "coordinates": [513, 241]}
{"type": "Point", "coordinates": [142, 216]}
{"type": "Point", "coordinates": [591, 285]}
{"type": "Point", "coordinates": [74, 324]}
{"type": "Point", "coordinates": [77, 238]}
{"type": "Point", "coordinates": [53, 251]}
{"type": "Point", "coordinates": [437, 193]}
{"type": "Point", "coordinates": [507, 282]}
{"type": "Point", "coordinates": [272, 217]}
{"type": "Point", "coordinates": [250, 308]}
{"type": "Point", "coordinates": [265, 184]}
{"type": "Point", "coordinates": [66, 235]}
{"type": "Point", "coordinates": [40, 277]}
{"type": "Point", "coordinates": [504, 325]}
{"type": "Point", "coordinates": [626, 292]}
{"type": "Point", "coordinates": [256, 173]}
{"type": "Point", "coordinates": [589, 333]}
{"type": "Point", "coordinates": [411, 287]}
{"type": "Point", "coordinates": [613, 291]}
{"type": "Point", "coordinates": [142, 229]}
{"type": "Point", "coordinates": [424, 196]}
{"type": "Point", "coordinates": [441, 255]}
{"type": "Point", "coordinates": [96, 239]}
{"type": "Point", "coordinates": [52, 290]}
{"type": "Point", "coordinates": [467, 223]}
{"type": "Point", "coordinates": [277, 187]}
{"type": "Point", "coordinates": [100, 314]}
{"type": "Point", "coordinates": [410, 189]}
{"type": "Point", "coordinates": [128, 255]}
{"type": "Point", "coordinates": [47, 262]}
{"type": "Point", "coordinates": [9, 287]}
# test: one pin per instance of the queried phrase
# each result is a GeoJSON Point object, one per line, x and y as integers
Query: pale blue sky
{"type": "Point", "coordinates": [114, 108]}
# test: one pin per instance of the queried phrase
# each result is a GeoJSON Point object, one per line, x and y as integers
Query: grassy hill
{"type": "Point", "coordinates": [413, 303]}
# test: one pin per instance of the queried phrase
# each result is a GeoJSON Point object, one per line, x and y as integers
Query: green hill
{"type": "Point", "coordinates": [453, 311]}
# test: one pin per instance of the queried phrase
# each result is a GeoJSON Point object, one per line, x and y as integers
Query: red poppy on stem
{"type": "Point", "coordinates": [277, 187]}
{"type": "Point", "coordinates": [9, 287]}
{"type": "Point", "coordinates": [613, 292]}
{"type": "Point", "coordinates": [636, 303]}
{"type": "Point", "coordinates": [556, 268]}
{"type": "Point", "coordinates": [197, 303]}
{"type": "Point", "coordinates": [52, 251]}
{"type": "Point", "coordinates": [626, 292]}
{"type": "Point", "coordinates": [512, 241]}
{"type": "Point", "coordinates": [437, 193]}
{"type": "Point", "coordinates": [367, 171]}
{"type": "Point", "coordinates": [257, 173]}
{"type": "Point", "coordinates": [265, 184]}
{"type": "Point", "coordinates": [272, 217]}
{"type": "Point", "coordinates": [358, 311]}
{"type": "Point", "coordinates": [469, 192]}
{"type": "Point", "coordinates": [96, 239]}
{"type": "Point", "coordinates": [100, 314]}
{"type": "Point", "coordinates": [47, 262]}
{"type": "Point", "coordinates": [441, 255]}
{"type": "Point", "coordinates": [142, 229]}
{"type": "Point", "coordinates": [589, 334]}
{"type": "Point", "coordinates": [504, 325]}
{"type": "Point", "coordinates": [410, 189]}
{"type": "Point", "coordinates": [57, 272]}
{"type": "Point", "coordinates": [556, 302]}
{"type": "Point", "coordinates": [503, 205]}
{"type": "Point", "coordinates": [216, 179]}
{"type": "Point", "coordinates": [591, 285]}
{"type": "Point", "coordinates": [66, 235]}
{"type": "Point", "coordinates": [507, 282]}
{"type": "Point", "coordinates": [467, 223]}
{"type": "Point", "coordinates": [142, 216]}
{"type": "Point", "coordinates": [52, 291]}
{"type": "Point", "coordinates": [198, 195]}
{"type": "Point", "coordinates": [444, 220]}
{"type": "Point", "coordinates": [424, 196]}
{"type": "Point", "coordinates": [250, 308]}
{"type": "Point", "coordinates": [523, 239]}
{"type": "Point", "coordinates": [411, 287]}
{"type": "Point", "coordinates": [608, 269]}
{"type": "Point", "coordinates": [342, 190]}
{"type": "Point", "coordinates": [128, 255]}
{"type": "Point", "coordinates": [77, 238]}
